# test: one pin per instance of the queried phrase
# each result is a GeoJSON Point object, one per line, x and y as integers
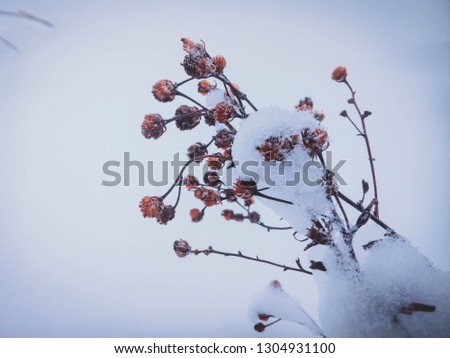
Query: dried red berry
{"type": "Point", "coordinates": [220, 63]}
{"type": "Point", "coordinates": [200, 192]}
{"type": "Point", "coordinates": [259, 327]}
{"type": "Point", "coordinates": [167, 214]}
{"type": "Point", "coordinates": [196, 215]}
{"type": "Point", "coordinates": [188, 117]}
{"type": "Point", "coordinates": [319, 115]}
{"type": "Point", "coordinates": [197, 151]}
{"type": "Point", "coordinates": [197, 64]}
{"type": "Point", "coordinates": [229, 195]}
{"type": "Point", "coordinates": [216, 161]}
{"type": "Point", "coordinates": [191, 182]}
{"type": "Point", "coordinates": [315, 141]}
{"type": "Point", "coordinates": [254, 217]}
{"type": "Point", "coordinates": [249, 201]}
{"type": "Point", "coordinates": [228, 214]}
{"type": "Point", "coordinates": [209, 197]}
{"type": "Point", "coordinates": [188, 45]}
{"type": "Point", "coordinates": [227, 153]}
{"type": "Point", "coordinates": [211, 179]}
{"type": "Point", "coordinates": [224, 139]}
{"type": "Point", "coordinates": [305, 104]}
{"type": "Point", "coordinates": [153, 126]}
{"type": "Point", "coordinates": [223, 111]}
{"type": "Point", "coordinates": [204, 87]}
{"type": "Point", "coordinates": [151, 206]}
{"type": "Point", "coordinates": [239, 218]}
{"type": "Point", "coordinates": [263, 316]}
{"type": "Point", "coordinates": [209, 118]}
{"type": "Point", "coordinates": [245, 189]}
{"type": "Point", "coordinates": [276, 148]}
{"type": "Point", "coordinates": [164, 91]}
{"type": "Point", "coordinates": [339, 74]}
{"type": "Point", "coordinates": [181, 248]}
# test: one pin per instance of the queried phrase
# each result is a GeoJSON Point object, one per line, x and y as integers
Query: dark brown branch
{"type": "Point", "coordinates": [417, 307]}
{"type": "Point", "coordinates": [210, 250]}
{"type": "Point", "coordinates": [181, 94]}
{"type": "Point", "coordinates": [9, 44]}
{"type": "Point", "coordinates": [183, 82]}
{"type": "Point", "coordinates": [365, 135]}
{"type": "Point", "coordinates": [186, 115]}
{"type": "Point", "coordinates": [25, 15]}
{"type": "Point", "coordinates": [372, 217]}
{"type": "Point", "coordinates": [260, 223]}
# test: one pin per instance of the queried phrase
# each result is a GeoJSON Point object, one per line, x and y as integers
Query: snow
{"type": "Point", "coordinates": [356, 299]}
{"type": "Point", "coordinates": [309, 200]}
{"type": "Point", "coordinates": [274, 301]}
{"type": "Point", "coordinates": [214, 97]}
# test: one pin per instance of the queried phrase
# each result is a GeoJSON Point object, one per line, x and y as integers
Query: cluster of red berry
{"type": "Point", "coordinates": [198, 64]}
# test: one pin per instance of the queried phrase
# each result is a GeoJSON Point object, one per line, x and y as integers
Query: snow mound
{"type": "Point", "coordinates": [273, 301]}
{"type": "Point", "coordinates": [296, 179]}
{"type": "Point", "coordinates": [395, 275]}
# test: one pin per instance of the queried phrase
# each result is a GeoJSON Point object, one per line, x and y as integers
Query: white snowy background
{"type": "Point", "coordinates": [78, 260]}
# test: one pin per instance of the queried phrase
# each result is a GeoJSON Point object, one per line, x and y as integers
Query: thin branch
{"type": "Point", "coordinates": [369, 150]}
{"type": "Point", "coordinates": [186, 115]}
{"type": "Point", "coordinates": [372, 217]}
{"type": "Point", "coordinates": [184, 81]}
{"type": "Point", "coordinates": [260, 223]}
{"type": "Point", "coordinates": [25, 15]}
{"type": "Point", "coordinates": [210, 250]}
{"type": "Point", "coordinates": [345, 114]}
{"type": "Point", "coordinates": [175, 183]}
{"type": "Point", "coordinates": [9, 44]}
{"type": "Point", "coordinates": [180, 181]}
{"type": "Point", "coordinates": [181, 94]}
{"type": "Point", "coordinates": [273, 198]}
{"type": "Point", "coordinates": [238, 93]}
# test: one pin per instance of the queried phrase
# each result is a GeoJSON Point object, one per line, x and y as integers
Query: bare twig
{"type": "Point", "coordinates": [239, 254]}
{"type": "Point", "coordinates": [365, 135]}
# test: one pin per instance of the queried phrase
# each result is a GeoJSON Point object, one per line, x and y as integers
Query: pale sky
{"type": "Point", "coordinates": [78, 260]}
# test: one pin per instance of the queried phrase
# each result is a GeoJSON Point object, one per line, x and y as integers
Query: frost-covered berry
{"type": "Point", "coordinates": [188, 117]}
{"type": "Point", "coordinates": [191, 182]}
{"type": "Point", "coordinates": [209, 197]}
{"type": "Point", "coordinates": [151, 206]}
{"type": "Point", "coordinates": [224, 139]}
{"type": "Point", "coordinates": [153, 126]}
{"type": "Point", "coordinates": [228, 214]}
{"type": "Point", "coordinates": [216, 161]}
{"type": "Point", "coordinates": [167, 214]}
{"type": "Point", "coordinates": [196, 215]}
{"type": "Point", "coordinates": [181, 248]}
{"type": "Point", "coordinates": [229, 195]}
{"type": "Point", "coordinates": [197, 151]}
{"type": "Point", "coordinates": [164, 91]}
{"type": "Point", "coordinates": [339, 74]}
{"type": "Point", "coordinates": [211, 178]}
{"type": "Point", "coordinates": [254, 217]}
{"type": "Point", "coordinates": [305, 104]}
{"type": "Point", "coordinates": [204, 87]}
{"type": "Point", "coordinates": [223, 112]}
{"type": "Point", "coordinates": [220, 62]}
{"type": "Point", "coordinates": [315, 141]}
{"type": "Point", "coordinates": [188, 45]}
{"type": "Point", "coordinates": [245, 189]}
{"type": "Point", "coordinates": [197, 63]}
